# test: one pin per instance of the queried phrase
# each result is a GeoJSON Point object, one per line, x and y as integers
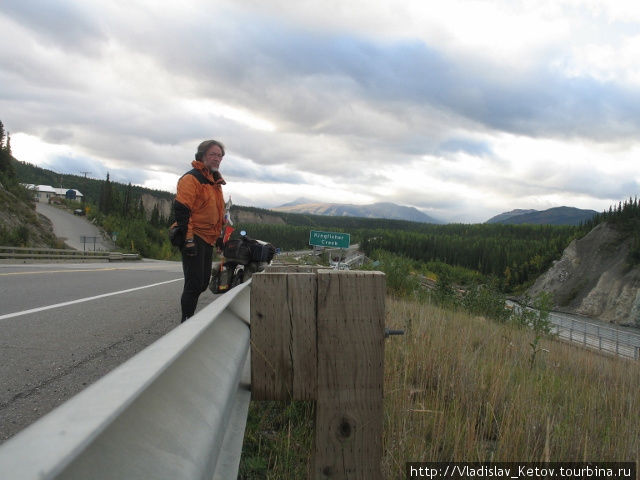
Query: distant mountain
{"type": "Point", "coordinates": [374, 210]}
{"type": "Point", "coordinates": [552, 216]}
{"type": "Point", "coordinates": [297, 201]}
{"type": "Point", "coordinates": [507, 215]}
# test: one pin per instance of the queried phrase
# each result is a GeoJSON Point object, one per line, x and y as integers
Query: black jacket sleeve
{"type": "Point", "coordinates": [182, 214]}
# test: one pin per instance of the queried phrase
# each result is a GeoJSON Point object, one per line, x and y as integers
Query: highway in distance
{"type": "Point", "coordinates": [63, 326]}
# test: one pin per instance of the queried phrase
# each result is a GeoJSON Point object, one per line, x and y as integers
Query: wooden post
{"type": "Point", "coordinates": [320, 336]}
{"type": "Point", "coordinates": [283, 336]}
{"type": "Point", "coordinates": [349, 410]}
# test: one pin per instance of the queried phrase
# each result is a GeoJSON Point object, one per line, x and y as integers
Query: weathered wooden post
{"type": "Point", "coordinates": [283, 336]}
{"type": "Point", "coordinates": [320, 336]}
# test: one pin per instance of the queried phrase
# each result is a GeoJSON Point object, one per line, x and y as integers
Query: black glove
{"type": "Point", "coordinates": [189, 248]}
{"type": "Point", "coordinates": [219, 244]}
{"type": "Point", "coordinates": [177, 235]}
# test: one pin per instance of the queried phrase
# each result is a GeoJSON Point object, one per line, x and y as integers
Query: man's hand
{"type": "Point", "coordinates": [189, 248]}
{"type": "Point", "coordinates": [219, 244]}
{"type": "Point", "coordinates": [177, 234]}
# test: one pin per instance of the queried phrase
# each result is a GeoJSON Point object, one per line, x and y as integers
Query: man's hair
{"type": "Point", "coordinates": [206, 145]}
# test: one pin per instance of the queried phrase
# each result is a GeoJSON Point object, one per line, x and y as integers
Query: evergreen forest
{"type": "Point", "coordinates": [512, 255]}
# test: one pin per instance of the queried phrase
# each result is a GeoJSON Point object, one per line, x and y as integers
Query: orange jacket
{"type": "Point", "coordinates": [199, 201]}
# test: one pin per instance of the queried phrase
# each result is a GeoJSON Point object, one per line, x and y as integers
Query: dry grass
{"type": "Point", "coordinates": [461, 388]}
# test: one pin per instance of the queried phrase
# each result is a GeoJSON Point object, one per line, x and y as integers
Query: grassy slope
{"type": "Point", "coordinates": [472, 396]}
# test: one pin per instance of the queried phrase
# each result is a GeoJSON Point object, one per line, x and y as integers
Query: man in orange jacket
{"type": "Point", "coordinates": [199, 213]}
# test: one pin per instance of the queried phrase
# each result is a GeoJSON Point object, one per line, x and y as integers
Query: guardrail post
{"type": "Point", "coordinates": [321, 336]}
{"type": "Point", "coordinates": [571, 331]}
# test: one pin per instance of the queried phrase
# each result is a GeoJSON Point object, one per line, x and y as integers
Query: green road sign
{"type": "Point", "coordinates": [329, 239]}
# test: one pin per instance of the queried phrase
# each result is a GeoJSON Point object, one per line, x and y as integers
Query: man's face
{"type": "Point", "coordinates": [212, 157]}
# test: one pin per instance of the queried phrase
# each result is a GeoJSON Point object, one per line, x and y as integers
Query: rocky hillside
{"type": "Point", "coordinates": [594, 278]}
{"type": "Point", "coordinates": [20, 225]}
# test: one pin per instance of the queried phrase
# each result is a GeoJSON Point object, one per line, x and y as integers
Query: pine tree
{"type": "Point", "coordinates": [6, 169]}
{"type": "Point", "coordinates": [126, 205]}
{"type": "Point", "coordinates": [106, 197]}
{"type": "Point", "coordinates": [7, 147]}
{"type": "Point", "coordinates": [141, 210]}
{"type": "Point", "coordinates": [155, 216]}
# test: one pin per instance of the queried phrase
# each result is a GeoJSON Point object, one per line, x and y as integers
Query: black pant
{"type": "Point", "coordinates": [197, 272]}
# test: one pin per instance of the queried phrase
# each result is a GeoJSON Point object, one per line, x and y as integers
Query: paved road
{"type": "Point", "coordinates": [53, 351]}
{"type": "Point", "coordinates": [71, 228]}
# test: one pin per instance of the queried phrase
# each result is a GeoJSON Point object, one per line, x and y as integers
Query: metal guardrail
{"type": "Point", "coordinates": [25, 253]}
{"type": "Point", "coordinates": [592, 335]}
{"type": "Point", "coordinates": [176, 410]}
{"type": "Point", "coordinates": [598, 337]}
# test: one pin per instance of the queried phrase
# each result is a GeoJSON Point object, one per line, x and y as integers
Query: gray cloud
{"type": "Point", "coordinates": [248, 171]}
{"type": "Point", "coordinates": [345, 107]}
{"type": "Point", "coordinates": [62, 24]}
{"type": "Point", "coordinates": [283, 62]}
{"type": "Point", "coordinates": [306, 79]}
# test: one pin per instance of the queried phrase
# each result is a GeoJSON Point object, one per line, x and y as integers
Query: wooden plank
{"type": "Point", "coordinates": [310, 268]}
{"type": "Point", "coordinates": [269, 379]}
{"type": "Point", "coordinates": [302, 289]}
{"type": "Point", "coordinates": [349, 410]}
{"type": "Point", "coordinates": [278, 268]}
{"type": "Point", "coordinates": [293, 268]}
{"type": "Point", "coordinates": [283, 336]}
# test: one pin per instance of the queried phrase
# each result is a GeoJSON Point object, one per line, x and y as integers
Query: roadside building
{"type": "Point", "coordinates": [44, 193]}
{"type": "Point", "coordinates": [70, 193]}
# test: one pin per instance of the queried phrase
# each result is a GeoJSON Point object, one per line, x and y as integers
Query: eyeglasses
{"type": "Point", "coordinates": [216, 155]}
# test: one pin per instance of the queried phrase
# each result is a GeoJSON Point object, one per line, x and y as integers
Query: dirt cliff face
{"type": "Point", "coordinates": [244, 216]}
{"type": "Point", "coordinates": [150, 201]}
{"type": "Point", "coordinates": [594, 278]}
{"type": "Point", "coordinates": [238, 215]}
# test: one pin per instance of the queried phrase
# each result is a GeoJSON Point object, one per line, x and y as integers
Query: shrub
{"type": "Point", "coordinates": [486, 301]}
{"type": "Point", "coordinates": [401, 280]}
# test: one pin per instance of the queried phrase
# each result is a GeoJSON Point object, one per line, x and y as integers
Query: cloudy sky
{"type": "Point", "coordinates": [463, 109]}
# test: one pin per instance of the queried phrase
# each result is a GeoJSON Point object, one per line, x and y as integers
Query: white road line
{"type": "Point", "coordinates": [81, 300]}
